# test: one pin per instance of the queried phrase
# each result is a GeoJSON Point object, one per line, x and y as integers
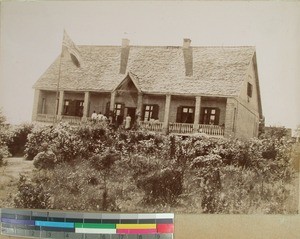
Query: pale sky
{"type": "Point", "coordinates": [31, 37]}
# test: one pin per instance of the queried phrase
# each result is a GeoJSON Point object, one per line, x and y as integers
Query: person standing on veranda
{"type": "Point", "coordinates": [127, 122]}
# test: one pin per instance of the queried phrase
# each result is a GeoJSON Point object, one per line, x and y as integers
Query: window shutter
{"type": "Point", "coordinates": [107, 108]}
{"type": "Point", "coordinates": [178, 116]}
{"type": "Point", "coordinates": [193, 115]}
{"type": "Point", "coordinates": [202, 115]}
{"type": "Point", "coordinates": [143, 113]}
{"type": "Point", "coordinates": [122, 108]}
{"type": "Point", "coordinates": [217, 119]}
{"type": "Point", "coordinates": [155, 111]}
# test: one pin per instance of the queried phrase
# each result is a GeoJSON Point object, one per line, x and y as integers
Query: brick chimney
{"type": "Point", "coordinates": [188, 56]}
{"type": "Point", "coordinates": [124, 55]}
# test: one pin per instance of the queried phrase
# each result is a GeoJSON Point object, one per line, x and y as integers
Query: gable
{"type": "Point", "coordinates": [250, 91]}
{"type": "Point", "coordinates": [129, 84]}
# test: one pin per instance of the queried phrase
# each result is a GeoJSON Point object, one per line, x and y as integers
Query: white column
{"type": "Point", "coordinates": [197, 112]}
{"type": "Point", "coordinates": [167, 114]}
{"type": "Point", "coordinates": [60, 104]}
{"type": "Point", "coordinates": [36, 103]}
{"type": "Point", "coordinates": [139, 106]}
{"type": "Point", "coordinates": [112, 101]}
{"type": "Point", "coordinates": [86, 104]}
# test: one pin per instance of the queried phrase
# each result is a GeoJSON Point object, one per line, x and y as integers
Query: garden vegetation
{"type": "Point", "coordinates": [93, 167]}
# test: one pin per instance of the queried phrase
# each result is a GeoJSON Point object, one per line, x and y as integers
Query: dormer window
{"type": "Point", "coordinates": [249, 90]}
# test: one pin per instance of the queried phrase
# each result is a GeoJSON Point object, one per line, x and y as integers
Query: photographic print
{"type": "Point", "coordinates": [150, 107]}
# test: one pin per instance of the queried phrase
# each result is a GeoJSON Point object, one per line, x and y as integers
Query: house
{"type": "Point", "coordinates": [185, 89]}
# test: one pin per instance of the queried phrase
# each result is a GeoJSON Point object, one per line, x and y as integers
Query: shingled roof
{"type": "Point", "coordinates": [218, 71]}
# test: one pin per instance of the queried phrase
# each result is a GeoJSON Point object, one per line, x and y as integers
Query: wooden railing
{"type": "Point", "coordinates": [152, 126]}
{"type": "Point", "coordinates": [212, 130]}
{"type": "Point", "coordinates": [64, 118]}
{"type": "Point", "coordinates": [181, 128]}
{"type": "Point", "coordinates": [71, 119]}
{"type": "Point", "coordinates": [174, 128]}
{"type": "Point", "coordinates": [45, 118]}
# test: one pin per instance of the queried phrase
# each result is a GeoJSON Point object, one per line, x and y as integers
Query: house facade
{"type": "Point", "coordinates": [181, 90]}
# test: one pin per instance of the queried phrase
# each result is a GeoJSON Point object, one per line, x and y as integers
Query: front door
{"type": "Point", "coordinates": [131, 113]}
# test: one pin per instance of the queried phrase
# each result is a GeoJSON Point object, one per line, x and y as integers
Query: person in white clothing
{"type": "Point", "coordinates": [100, 117]}
{"type": "Point", "coordinates": [94, 116]}
{"type": "Point", "coordinates": [127, 122]}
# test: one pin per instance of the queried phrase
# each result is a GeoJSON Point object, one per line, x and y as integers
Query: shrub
{"type": "Point", "coordinates": [161, 187]}
{"type": "Point", "coordinates": [18, 140]}
{"type": "Point", "coordinates": [101, 169]}
{"type": "Point", "coordinates": [5, 136]}
{"type": "Point", "coordinates": [31, 194]}
{"type": "Point", "coordinates": [38, 136]}
{"type": "Point", "coordinates": [45, 159]}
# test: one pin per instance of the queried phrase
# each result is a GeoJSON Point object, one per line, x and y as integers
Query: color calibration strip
{"type": "Point", "coordinates": [75, 225]}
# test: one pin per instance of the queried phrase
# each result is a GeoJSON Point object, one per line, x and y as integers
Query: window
{"type": "Point", "coordinates": [66, 107]}
{"type": "Point", "coordinates": [79, 108]}
{"type": "Point", "coordinates": [73, 108]}
{"type": "Point", "coordinates": [150, 112]}
{"type": "Point", "coordinates": [43, 105]}
{"type": "Point", "coordinates": [118, 113]}
{"type": "Point", "coordinates": [210, 116]}
{"type": "Point", "coordinates": [118, 109]}
{"type": "Point", "coordinates": [249, 89]}
{"type": "Point", "coordinates": [185, 114]}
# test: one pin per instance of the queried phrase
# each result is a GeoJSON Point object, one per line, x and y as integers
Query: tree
{"type": "Point", "coordinates": [4, 137]}
{"type": "Point", "coordinates": [297, 133]}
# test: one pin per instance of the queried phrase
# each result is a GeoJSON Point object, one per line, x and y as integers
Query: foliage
{"type": "Point", "coordinates": [39, 135]}
{"type": "Point", "coordinates": [18, 139]}
{"type": "Point", "coordinates": [103, 169]}
{"type": "Point", "coordinates": [32, 194]}
{"type": "Point", "coordinates": [5, 135]}
{"type": "Point", "coordinates": [275, 132]}
{"type": "Point", "coordinates": [45, 159]}
{"type": "Point", "coordinates": [161, 187]}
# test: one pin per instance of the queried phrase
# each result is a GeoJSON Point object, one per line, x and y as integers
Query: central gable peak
{"type": "Point", "coordinates": [128, 84]}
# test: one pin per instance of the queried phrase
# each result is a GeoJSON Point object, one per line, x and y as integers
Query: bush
{"type": "Point", "coordinates": [45, 159]}
{"type": "Point", "coordinates": [161, 187]}
{"type": "Point", "coordinates": [5, 136]}
{"type": "Point", "coordinates": [18, 140]}
{"type": "Point", "coordinates": [38, 136]}
{"type": "Point", "coordinates": [101, 169]}
{"type": "Point", "coordinates": [31, 194]}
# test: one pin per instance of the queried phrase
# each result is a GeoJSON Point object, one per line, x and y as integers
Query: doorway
{"type": "Point", "coordinates": [131, 112]}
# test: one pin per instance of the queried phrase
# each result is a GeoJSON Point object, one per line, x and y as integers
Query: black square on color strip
{"type": "Point", "coordinates": [92, 220]}
{"type": "Point", "coordinates": [112, 221]}
{"type": "Point", "coordinates": [129, 221]}
{"type": "Point", "coordinates": [56, 219]}
{"type": "Point", "coordinates": [147, 221]}
{"type": "Point", "coordinates": [36, 218]}
{"type": "Point", "coordinates": [80, 220]}
{"type": "Point", "coordinates": [57, 229]}
{"type": "Point", "coordinates": [164, 221]}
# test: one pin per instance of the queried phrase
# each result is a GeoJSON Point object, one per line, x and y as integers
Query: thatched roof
{"type": "Point", "coordinates": [218, 71]}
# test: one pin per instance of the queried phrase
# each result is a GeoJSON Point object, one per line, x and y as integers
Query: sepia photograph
{"type": "Point", "coordinates": [184, 107]}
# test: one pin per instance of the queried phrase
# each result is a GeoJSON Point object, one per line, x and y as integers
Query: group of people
{"type": "Point", "coordinates": [115, 120]}
{"type": "Point", "coordinates": [98, 117]}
